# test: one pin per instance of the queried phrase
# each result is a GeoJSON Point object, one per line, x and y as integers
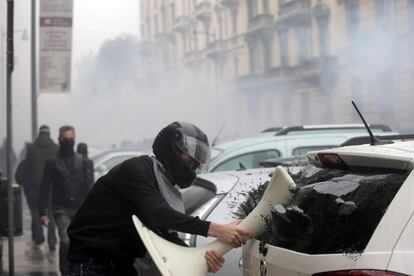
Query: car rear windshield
{"type": "Point", "coordinates": [334, 211]}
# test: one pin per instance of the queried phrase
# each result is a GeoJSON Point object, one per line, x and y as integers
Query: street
{"type": "Point", "coordinates": [29, 262]}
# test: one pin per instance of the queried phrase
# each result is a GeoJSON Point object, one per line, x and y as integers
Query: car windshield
{"type": "Point", "coordinates": [334, 210]}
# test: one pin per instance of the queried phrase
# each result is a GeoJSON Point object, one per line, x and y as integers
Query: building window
{"type": "Point", "coordinates": [321, 13]}
{"type": "Point", "coordinates": [251, 9]}
{"type": "Point", "coordinates": [259, 58]}
{"type": "Point", "coordinates": [284, 50]}
{"type": "Point", "coordinates": [219, 15]}
{"type": "Point", "coordinates": [156, 24]}
{"type": "Point", "coordinates": [172, 14]}
{"type": "Point", "coordinates": [148, 28]}
{"type": "Point", "coordinates": [352, 17]}
{"type": "Point", "coordinates": [384, 10]}
{"type": "Point", "coordinates": [236, 66]}
{"type": "Point", "coordinates": [304, 42]}
{"type": "Point", "coordinates": [266, 6]}
{"type": "Point", "coordinates": [234, 21]}
{"type": "Point", "coordinates": [410, 6]}
{"type": "Point", "coordinates": [225, 23]}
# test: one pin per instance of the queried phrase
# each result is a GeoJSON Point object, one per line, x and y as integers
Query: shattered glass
{"type": "Point", "coordinates": [333, 211]}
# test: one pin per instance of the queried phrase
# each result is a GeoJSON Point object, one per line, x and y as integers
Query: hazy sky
{"type": "Point", "coordinates": [94, 22]}
{"type": "Point", "coordinates": [98, 20]}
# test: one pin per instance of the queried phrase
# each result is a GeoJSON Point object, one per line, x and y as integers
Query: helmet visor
{"type": "Point", "coordinates": [197, 149]}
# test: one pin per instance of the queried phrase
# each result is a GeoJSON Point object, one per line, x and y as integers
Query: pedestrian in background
{"type": "Point", "coordinates": [3, 158]}
{"type": "Point", "coordinates": [67, 180]}
{"type": "Point", "coordinates": [29, 174]}
{"type": "Point", "coordinates": [82, 149]}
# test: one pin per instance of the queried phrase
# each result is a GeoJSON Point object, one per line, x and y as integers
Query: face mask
{"type": "Point", "coordinates": [66, 146]}
{"type": "Point", "coordinates": [181, 172]}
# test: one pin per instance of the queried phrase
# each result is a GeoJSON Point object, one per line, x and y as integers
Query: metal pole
{"type": "Point", "coordinates": [33, 71]}
{"type": "Point", "coordinates": [216, 89]}
{"type": "Point", "coordinates": [3, 84]}
{"type": "Point", "coordinates": [10, 63]}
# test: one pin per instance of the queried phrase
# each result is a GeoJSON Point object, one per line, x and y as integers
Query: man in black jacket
{"type": "Point", "coordinates": [67, 180]}
{"type": "Point", "coordinates": [29, 174]}
{"type": "Point", "coordinates": [103, 239]}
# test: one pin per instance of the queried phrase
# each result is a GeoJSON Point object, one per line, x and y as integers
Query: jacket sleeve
{"type": "Point", "coordinates": [21, 174]}
{"type": "Point", "coordinates": [89, 173]}
{"type": "Point", "coordinates": [139, 190]}
{"type": "Point", "coordinates": [45, 187]}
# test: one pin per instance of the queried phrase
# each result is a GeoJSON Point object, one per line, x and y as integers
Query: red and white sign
{"type": "Point", "coordinates": [55, 45]}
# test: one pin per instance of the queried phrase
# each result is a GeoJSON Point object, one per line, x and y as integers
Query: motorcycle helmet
{"type": "Point", "coordinates": [178, 138]}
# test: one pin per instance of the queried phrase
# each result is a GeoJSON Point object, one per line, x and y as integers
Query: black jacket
{"type": "Point", "coordinates": [103, 227]}
{"type": "Point", "coordinates": [67, 179]}
{"type": "Point", "coordinates": [30, 170]}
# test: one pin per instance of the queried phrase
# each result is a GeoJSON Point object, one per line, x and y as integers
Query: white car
{"type": "Point", "coordinates": [106, 160]}
{"type": "Point", "coordinates": [287, 142]}
{"type": "Point", "coordinates": [353, 215]}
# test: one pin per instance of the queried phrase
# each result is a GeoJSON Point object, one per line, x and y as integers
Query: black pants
{"type": "Point", "coordinates": [100, 268]}
{"type": "Point", "coordinates": [63, 217]}
{"type": "Point", "coordinates": [38, 236]}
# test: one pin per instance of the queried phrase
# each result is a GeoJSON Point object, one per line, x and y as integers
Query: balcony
{"type": "Point", "coordinates": [215, 49]}
{"type": "Point", "coordinates": [260, 25]}
{"type": "Point", "coordinates": [229, 3]}
{"type": "Point", "coordinates": [294, 12]}
{"type": "Point", "coordinates": [192, 57]}
{"type": "Point", "coordinates": [182, 24]}
{"type": "Point", "coordinates": [314, 70]}
{"type": "Point", "coordinates": [164, 38]}
{"type": "Point", "coordinates": [203, 11]}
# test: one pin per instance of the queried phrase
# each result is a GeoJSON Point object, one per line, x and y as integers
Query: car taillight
{"type": "Point", "coordinates": [331, 160]}
{"type": "Point", "coordinates": [359, 273]}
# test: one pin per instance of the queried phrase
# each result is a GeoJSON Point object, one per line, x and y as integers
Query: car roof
{"type": "Point", "coordinates": [265, 136]}
{"type": "Point", "coordinates": [116, 152]}
{"type": "Point", "coordinates": [331, 127]}
{"type": "Point", "coordinates": [266, 142]}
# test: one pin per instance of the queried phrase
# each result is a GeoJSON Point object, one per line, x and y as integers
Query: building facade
{"type": "Point", "coordinates": [286, 62]}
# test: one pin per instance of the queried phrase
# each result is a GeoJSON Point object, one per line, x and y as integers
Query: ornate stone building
{"type": "Point", "coordinates": [285, 61]}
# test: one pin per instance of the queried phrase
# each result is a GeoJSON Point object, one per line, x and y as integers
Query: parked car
{"type": "Point", "coordinates": [230, 187]}
{"type": "Point", "coordinates": [104, 161]}
{"type": "Point", "coordinates": [353, 215]}
{"type": "Point", "coordinates": [296, 141]}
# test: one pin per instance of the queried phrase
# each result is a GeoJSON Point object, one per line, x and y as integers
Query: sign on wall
{"type": "Point", "coordinates": [55, 45]}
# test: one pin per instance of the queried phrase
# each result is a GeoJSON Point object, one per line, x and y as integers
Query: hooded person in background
{"type": "Point", "coordinates": [3, 158]}
{"type": "Point", "coordinates": [103, 239]}
{"type": "Point", "coordinates": [82, 149]}
{"type": "Point", "coordinates": [67, 181]}
{"type": "Point", "coordinates": [29, 174]}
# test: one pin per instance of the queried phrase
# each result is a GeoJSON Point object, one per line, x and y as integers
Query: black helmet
{"type": "Point", "coordinates": [174, 139]}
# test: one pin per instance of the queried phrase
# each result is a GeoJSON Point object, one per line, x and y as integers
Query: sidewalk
{"type": "Point", "coordinates": [29, 262]}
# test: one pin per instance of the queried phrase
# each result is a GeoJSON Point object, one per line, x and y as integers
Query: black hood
{"type": "Point", "coordinates": [44, 141]}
